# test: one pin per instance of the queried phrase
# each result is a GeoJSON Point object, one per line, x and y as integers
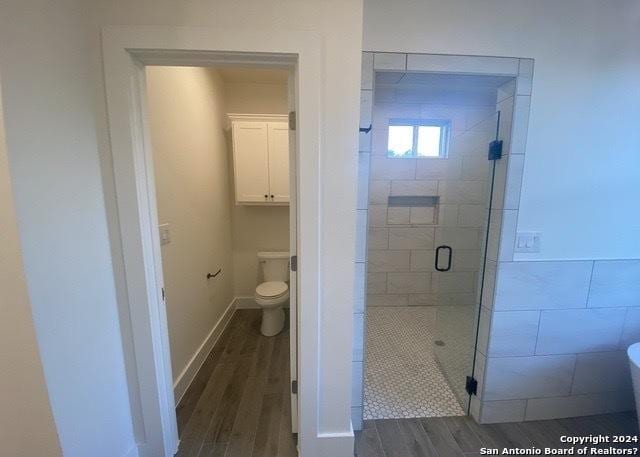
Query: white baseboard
{"type": "Point", "coordinates": [246, 303]}
{"type": "Point", "coordinates": [336, 444]}
{"type": "Point", "coordinates": [185, 378]}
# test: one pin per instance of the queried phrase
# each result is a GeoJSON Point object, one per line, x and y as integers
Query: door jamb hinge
{"type": "Point", "coordinates": [292, 120]}
{"type": "Point", "coordinates": [163, 294]}
{"type": "Point", "coordinates": [293, 262]}
{"type": "Point", "coordinates": [471, 385]}
{"type": "Point", "coordinates": [294, 387]}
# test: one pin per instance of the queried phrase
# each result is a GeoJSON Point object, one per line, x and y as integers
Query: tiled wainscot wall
{"type": "Point", "coordinates": [556, 337]}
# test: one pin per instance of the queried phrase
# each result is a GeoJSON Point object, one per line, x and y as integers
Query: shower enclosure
{"type": "Point", "coordinates": [435, 142]}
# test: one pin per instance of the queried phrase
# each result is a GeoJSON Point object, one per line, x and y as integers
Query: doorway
{"type": "Point", "coordinates": [436, 141]}
{"type": "Point", "coordinates": [127, 52]}
{"type": "Point", "coordinates": [430, 191]}
{"type": "Point", "coordinates": [225, 196]}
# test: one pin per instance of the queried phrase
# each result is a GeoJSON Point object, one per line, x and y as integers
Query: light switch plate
{"type": "Point", "coordinates": [527, 242]}
{"type": "Point", "coordinates": [165, 234]}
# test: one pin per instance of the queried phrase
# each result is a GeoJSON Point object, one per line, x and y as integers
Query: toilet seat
{"type": "Point", "coordinates": [272, 289]}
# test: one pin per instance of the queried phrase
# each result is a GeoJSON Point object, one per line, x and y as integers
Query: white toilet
{"type": "Point", "coordinates": [273, 293]}
{"type": "Point", "coordinates": [634, 360]}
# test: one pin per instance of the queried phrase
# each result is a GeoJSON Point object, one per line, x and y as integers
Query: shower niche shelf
{"type": "Point", "coordinates": [415, 201]}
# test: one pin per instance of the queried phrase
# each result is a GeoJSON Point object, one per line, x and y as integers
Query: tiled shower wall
{"type": "Point", "coordinates": [401, 240]}
{"type": "Point", "coordinates": [552, 334]}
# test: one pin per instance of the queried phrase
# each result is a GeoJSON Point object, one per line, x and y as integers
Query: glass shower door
{"type": "Point", "coordinates": [464, 198]}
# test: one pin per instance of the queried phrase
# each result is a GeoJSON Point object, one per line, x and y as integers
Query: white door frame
{"type": "Point", "coordinates": [126, 51]}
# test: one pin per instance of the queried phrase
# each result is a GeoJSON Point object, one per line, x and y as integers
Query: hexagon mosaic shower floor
{"type": "Point", "coordinates": [402, 377]}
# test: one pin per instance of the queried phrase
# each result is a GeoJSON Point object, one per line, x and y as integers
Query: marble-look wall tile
{"type": "Point", "coordinates": [542, 285]}
{"type": "Point", "coordinates": [615, 283]}
{"type": "Point", "coordinates": [453, 282]}
{"type": "Point", "coordinates": [580, 330]}
{"type": "Point", "coordinates": [392, 168]}
{"type": "Point", "coordinates": [513, 333]}
{"type": "Point", "coordinates": [510, 378]}
{"type": "Point", "coordinates": [463, 64]}
{"type": "Point", "coordinates": [379, 192]}
{"type": "Point", "coordinates": [462, 192]}
{"type": "Point", "coordinates": [398, 216]}
{"type": "Point", "coordinates": [423, 260]}
{"type": "Point", "coordinates": [376, 283]}
{"type": "Point", "coordinates": [489, 286]}
{"type": "Point", "coordinates": [358, 337]}
{"type": "Point", "coordinates": [389, 61]}
{"type": "Point", "coordinates": [601, 372]}
{"type": "Point", "coordinates": [466, 260]}
{"type": "Point", "coordinates": [413, 187]}
{"type": "Point", "coordinates": [411, 238]}
{"type": "Point", "coordinates": [378, 238]}
{"type": "Point", "coordinates": [422, 216]}
{"type": "Point", "coordinates": [520, 124]}
{"type": "Point", "coordinates": [450, 168]}
{"type": "Point", "coordinates": [377, 215]}
{"type": "Point", "coordinates": [387, 300]}
{"type": "Point", "coordinates": [424, 300]}
{"type": "Point", "coordinates": [484, 329]}
{"type": "Point", "coordinates": [558, 407]}
{"type": "Point", "coordinates": [412, 283]}
{"type": "Point", "coordinates": [385, 261]}
{"type": "Point", "coordinates": [361, 235]}
{"type": "Point", "coordinates": [360, 285]}
{"type": "Point", "coordinates": [472, 215]}
{"type": "Point", "coordinates": [631, 330]}
{"type": "Point", "coordinates": [363, 180]}
{"type": "Point", "coordinates": [458, 237]}
{"type": "Point", "coordinates": [356, 383]}
{"type": "Point", "coordinates": [367, 71]}
{"type": "Point", "coordinates": [448, 215]}
{"type": "Point", "coordinates": [503, 411]}
{"type": "Point", "coordinates": [366, 108]}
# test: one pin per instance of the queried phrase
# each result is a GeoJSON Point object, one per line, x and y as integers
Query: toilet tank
{"type": "Point", "coordinates": [274, 265]}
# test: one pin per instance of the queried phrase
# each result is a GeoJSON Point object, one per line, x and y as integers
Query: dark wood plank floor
{"type": "Point", "coordinates": [462, 437]}
{"type": "Point", "coordinates": [239, 403]}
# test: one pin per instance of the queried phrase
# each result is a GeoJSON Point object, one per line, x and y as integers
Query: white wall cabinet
{"type": "Point", "coordinates": [260, 159]}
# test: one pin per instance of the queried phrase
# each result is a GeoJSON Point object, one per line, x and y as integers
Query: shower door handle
{"type": "Point", "coordinates": [449, 257]}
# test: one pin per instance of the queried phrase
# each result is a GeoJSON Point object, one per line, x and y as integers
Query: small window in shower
{"type": "Point", "coordinates": [418, 138]}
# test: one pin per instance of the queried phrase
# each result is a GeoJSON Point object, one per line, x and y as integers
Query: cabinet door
{"type": "Point", "coordinates": [251, 162]}
{"type": "Point", "coordinates": [279, 161]}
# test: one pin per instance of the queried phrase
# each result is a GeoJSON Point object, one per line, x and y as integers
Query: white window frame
{"type": "Point", "coordinates": [445, 133]}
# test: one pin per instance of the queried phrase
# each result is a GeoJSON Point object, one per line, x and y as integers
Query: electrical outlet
{"type": "Point", "coordinates": [165, 234]}
{"type": "Point", "coordinates": [528, 242]}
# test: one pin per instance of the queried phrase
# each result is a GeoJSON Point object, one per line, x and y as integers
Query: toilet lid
{"type": "Point", "coordinates": [271, 288]}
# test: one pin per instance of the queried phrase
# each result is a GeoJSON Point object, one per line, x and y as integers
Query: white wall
{"type": "Point", "coordinates": [256, 228]}
{"type": "Point", "coordinates": [187, 119]}
{"type": "Point", "coordinates": [50, 57]}
{"type": "Point", "coordinates": [46, 61]}
{"type": "Point", "coordinates": [26, 422]}
{"type": "Point", "coordinates": [582, 165]}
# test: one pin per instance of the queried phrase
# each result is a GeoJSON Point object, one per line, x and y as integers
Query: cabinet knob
{"type": "Point", "coordinates": [272, 196]}
{"type": "Point", "coordinates": [266, 196]}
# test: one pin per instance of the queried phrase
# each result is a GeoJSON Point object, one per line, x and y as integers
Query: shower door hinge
{"type": "Point", "coordinates": [294, 263]}
{"type": "Point", "coordinates": [294, 387]}
{"type": "Point", "coordinates": [163, 294]}
{"type": "Point", "coordinates": [495, 150]}
{"type": "Point", "coordinates": [471, 386]}
{"type": "Point", "coordinates": [292, 120]}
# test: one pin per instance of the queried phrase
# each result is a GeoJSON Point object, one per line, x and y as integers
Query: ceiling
{"type": "Point", "coordinates": [450, 81]}
{"type": "Point", "coordinates": [438, 88]}
{"type": "Point", "coordinates": [253, 75]}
